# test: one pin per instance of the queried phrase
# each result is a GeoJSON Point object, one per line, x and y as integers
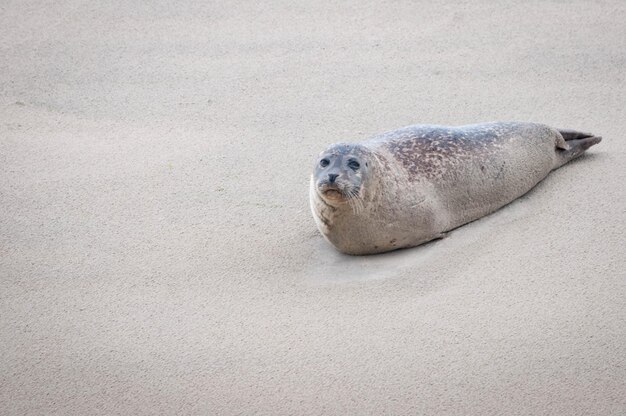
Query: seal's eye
{"type": "Point", "coordinates": [324, 162]}
{"type": "Point", "coordinates": [354, 165]}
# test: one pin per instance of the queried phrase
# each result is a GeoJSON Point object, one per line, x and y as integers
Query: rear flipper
{"type": "Point", "coordinates": [573, 134]}
{"type": "Point", "coordinates": [576, 143]}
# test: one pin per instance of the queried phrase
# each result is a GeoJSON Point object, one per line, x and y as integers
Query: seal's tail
{"type": "Point", "coordinates": [577, 142]}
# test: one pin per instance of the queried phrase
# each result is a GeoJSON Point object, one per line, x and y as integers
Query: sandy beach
{"type": "Point", "coordinates": [158, 254]}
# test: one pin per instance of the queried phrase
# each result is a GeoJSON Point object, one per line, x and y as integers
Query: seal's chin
{"type": "Point", "coordinates": [333, 194]}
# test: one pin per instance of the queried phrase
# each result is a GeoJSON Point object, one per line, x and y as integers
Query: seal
{"type": "Point", "coordinates": [408, 186]}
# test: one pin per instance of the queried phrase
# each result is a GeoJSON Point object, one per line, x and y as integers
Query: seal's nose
{"type": "Point", "coordinates": [332, 177]}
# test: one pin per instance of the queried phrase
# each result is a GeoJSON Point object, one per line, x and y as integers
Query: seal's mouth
{"type": "Point", "coordinates": [331, 191]}
{"type": "Point", "coordinates": [333, 194]}
{"type": "Point", "coordinates": [336, 193]}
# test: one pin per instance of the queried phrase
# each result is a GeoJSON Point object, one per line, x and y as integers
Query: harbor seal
{"type": "Point", "coordinates": [412, 185]}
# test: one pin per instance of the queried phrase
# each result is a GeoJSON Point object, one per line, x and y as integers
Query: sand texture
{"type": "Point", "coordinates": [158, 255]}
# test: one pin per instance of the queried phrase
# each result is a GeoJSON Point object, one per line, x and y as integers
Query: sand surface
{"type": "Point", "coordinates": [158, 256]}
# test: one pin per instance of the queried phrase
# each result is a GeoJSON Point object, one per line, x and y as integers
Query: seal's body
{"type": "Point", "coordinates": [409, 186]}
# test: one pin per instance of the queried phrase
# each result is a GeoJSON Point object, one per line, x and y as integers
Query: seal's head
{"type": "Point", "coordinates": [340, 173]}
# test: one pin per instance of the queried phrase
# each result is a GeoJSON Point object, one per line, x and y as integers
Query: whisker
{"type": "Point", "coordinates": [355, 202]}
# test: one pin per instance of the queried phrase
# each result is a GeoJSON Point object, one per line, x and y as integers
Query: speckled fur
{"type": "Point", "coordinates": [425, 180]}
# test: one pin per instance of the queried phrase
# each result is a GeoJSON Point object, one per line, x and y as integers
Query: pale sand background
{"type": "Point", "coordinates": [157, 251]}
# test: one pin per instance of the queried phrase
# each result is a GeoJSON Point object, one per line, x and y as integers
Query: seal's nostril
{"type": "Point", "coordinates": [332, 177]}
